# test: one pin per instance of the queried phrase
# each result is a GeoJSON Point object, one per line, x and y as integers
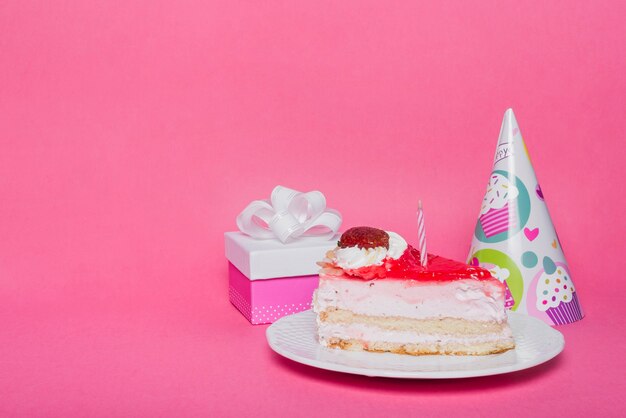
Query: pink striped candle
{"type": "Point", "coordinates": [421, 235]}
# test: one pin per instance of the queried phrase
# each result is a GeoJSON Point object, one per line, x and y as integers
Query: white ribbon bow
{"type": "Point", "coordinates": [289, 214]}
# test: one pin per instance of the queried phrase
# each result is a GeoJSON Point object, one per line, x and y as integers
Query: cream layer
{"type": "Point", "coordinates": [476, 300]}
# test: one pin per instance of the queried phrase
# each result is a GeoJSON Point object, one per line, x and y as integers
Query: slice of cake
{"type": "Point", "coordinates": [374, 295]}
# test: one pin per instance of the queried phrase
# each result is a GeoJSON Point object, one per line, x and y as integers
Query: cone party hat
{"type": "Point", "coordinates": [515, 239]}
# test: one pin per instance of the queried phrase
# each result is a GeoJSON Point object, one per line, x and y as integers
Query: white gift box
{"type": "Point", "coordinates": [269, 279]}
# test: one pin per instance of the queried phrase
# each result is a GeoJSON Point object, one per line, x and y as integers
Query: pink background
{"type": "Point", "coordinates": [132, 133]}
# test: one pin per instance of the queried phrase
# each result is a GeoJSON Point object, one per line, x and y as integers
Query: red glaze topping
{"type": "Point", "coordinates": [408, 267]}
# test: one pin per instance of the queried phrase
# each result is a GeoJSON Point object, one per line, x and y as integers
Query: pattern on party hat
{"type": "Point", "coordinates": [515, 238]}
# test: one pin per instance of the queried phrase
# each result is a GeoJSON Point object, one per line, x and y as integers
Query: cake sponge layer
{"type": "Point", "coordinates": [443, 326]}
{"type": "Point", "coordinates": [417, 349]}
{"type": "Point", "coordinates": [347, 330]}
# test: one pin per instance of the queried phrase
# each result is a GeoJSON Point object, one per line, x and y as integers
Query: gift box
{"type": "Point", "coordinates": [268, 279]}
{"type": "Point", "coordinates": [272, 270]}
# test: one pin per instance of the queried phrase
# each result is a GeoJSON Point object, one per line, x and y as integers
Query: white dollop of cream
{"type": "Point", "coordinates": [397, 245]}
{"type": "Point", "coordinates": [354, 257]}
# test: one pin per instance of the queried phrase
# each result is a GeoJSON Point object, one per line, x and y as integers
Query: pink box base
{"type": "Point", "coordinates": [265, 301]}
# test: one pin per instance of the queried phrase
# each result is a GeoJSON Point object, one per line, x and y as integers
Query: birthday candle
{"type": "Point", "coordinates": [421, 235]}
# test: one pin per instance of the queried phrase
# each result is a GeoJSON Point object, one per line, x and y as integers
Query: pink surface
{"type": "Point", "coordinates": [132, 133]}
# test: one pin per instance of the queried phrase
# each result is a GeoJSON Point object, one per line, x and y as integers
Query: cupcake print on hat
{"type": "Point", "coordinates": [505, 209]}
{"type": "Point", "coordinates": [496, 215]}
{"type": "Point", "coordinates": [555, 294]}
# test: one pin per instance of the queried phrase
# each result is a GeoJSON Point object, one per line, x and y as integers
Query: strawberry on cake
{"type": "Point", "coordinates": [374, 295]}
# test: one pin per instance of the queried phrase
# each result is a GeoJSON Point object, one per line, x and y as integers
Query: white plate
{"type": "Point", "coordinates": [294, 337]}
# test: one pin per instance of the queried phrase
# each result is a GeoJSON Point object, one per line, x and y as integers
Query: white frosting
{"type": "Point", "coordinates": [369, 333]}
{"type": "Point", "coordinates": [466, 299]}
{"type": "Point", "coordinates": [354, 257]}
{"type": "Point", "coordinates": [552, 289]}
{"type": "Point", "coordinates": [499, 191]}
{"type": "Point", "coordinates": [397, 245]}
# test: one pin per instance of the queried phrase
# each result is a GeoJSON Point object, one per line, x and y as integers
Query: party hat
{"type": "Point", "coordinates": [515, 238]}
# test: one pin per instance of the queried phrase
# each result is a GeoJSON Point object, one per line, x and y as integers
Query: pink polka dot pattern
{"type": "Point", "coordinates": [240, 303]}
{"type": "Point", "coordinates": [264, 314]}
{"type": "Point", "coordinates": [271, 313]}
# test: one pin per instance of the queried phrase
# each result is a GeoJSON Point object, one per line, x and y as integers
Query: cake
{"type": "Point", "coordinates": [374, 295]}
{"type": "Point", "coordinates": [501, 274]}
